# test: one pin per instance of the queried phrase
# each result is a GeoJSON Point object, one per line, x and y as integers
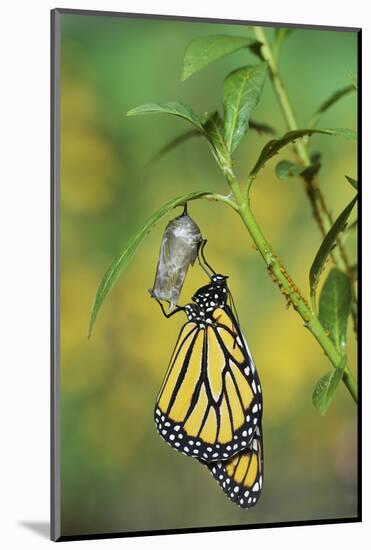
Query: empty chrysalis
{"type": "Point", "coordinates": [179, 248]}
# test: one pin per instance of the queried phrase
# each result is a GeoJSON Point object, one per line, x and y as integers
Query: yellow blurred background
{"type": "Point", "coordinates": [117, 473]}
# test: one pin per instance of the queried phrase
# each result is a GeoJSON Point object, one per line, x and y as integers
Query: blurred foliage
{"type": "Point", "coordinates": [117, 474]}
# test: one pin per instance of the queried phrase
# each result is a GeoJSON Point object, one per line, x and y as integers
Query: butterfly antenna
{"type": "Point", "coordinates": [201, 256]}
{"type": "Point", "coordinates": [234, 309]}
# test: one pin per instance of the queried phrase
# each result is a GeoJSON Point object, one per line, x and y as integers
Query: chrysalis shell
{"type": "Point", "coordinates": [179, 248]}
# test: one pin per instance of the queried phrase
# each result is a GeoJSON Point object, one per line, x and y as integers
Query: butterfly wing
{"type": "Point", "coordinates": [210, 401]}
{"type": "Point", "coordinates": [241, 477]}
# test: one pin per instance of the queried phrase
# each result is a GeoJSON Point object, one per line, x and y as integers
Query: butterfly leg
{"type": "Point", "coordinates": [167, 315]}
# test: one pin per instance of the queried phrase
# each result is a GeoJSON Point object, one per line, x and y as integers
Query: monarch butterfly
{"type": "Point", "coordinates": [210, 403]}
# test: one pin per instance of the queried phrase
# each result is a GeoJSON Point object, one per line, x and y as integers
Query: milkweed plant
{"type": "Point", "coordinates": [325, 316]}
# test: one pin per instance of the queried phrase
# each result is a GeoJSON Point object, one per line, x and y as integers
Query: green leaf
{"type": "Point", "coordinates": [287, 169]}
{"type": "Point", "coordinates": [206, 49]}
{"type": "Point", "coordinates": [334, 306]}
{"type": "Point", "coordinates": [352, 226]}
{"type": "Point", "coordinates": [169, 147]}
{"type": "Point", "coordinates": [333, 99]}
{"type": "Point", "coordinates": [352, 182]}
{"type": "Point", "coordinates": [171, 108]}
{"type": "Point", "coordinates": [326, 246]}
{"type": "Point", "coordinates": [275, 145]}
{"type": "Point", "coordinates": [214, 131]}
{"type": "Point", "coordinates": [261, 127]}
{"type": "Point", "coordinates": [346, 133]}
{"type": "Point", "coordinates": [172, 144]}
{"type": "Point", "coordinates": [326, 387]}
{"type": "Point", "coordinates": [122, 260]}
{"type": "Point", "coordinates": [242, 90]}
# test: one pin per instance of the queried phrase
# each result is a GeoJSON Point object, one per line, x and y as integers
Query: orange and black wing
{"type": "Point", "coordinates": [241, 477]}
{"type": "Point", "coordinates": [210, 402]}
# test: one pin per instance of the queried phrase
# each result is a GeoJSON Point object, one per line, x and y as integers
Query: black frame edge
{"type": "Point", "coordinates": [360, 282]}
{"type": "Point", "coordinates": [55, 519]}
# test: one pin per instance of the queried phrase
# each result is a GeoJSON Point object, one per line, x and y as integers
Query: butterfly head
{"type": "Point", "coordinates": [219, 280]}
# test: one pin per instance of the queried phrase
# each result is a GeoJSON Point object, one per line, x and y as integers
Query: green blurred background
{"type": "Point", "coordinates": [117, 473]}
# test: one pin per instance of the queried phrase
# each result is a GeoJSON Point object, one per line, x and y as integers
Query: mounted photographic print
{"type": "Point", "coordinates": [204, 275]}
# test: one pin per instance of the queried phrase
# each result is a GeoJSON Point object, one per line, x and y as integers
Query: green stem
{"type": "Point", "coordinates": [314, 194]}
{"type": "Point", "coordinates": [287, 286]}
{"type": "Point", "coordinates": [321, 213]}
{"type": "Point", "coordinates": [279, 88]}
